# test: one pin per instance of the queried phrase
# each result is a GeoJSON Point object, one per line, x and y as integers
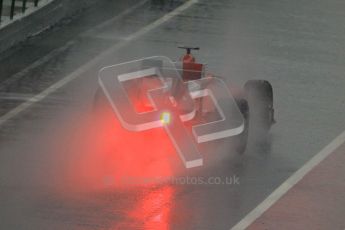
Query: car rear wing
{"type": "Point", "coordinates": [191, 71]}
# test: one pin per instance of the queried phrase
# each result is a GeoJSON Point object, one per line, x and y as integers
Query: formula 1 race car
{"type": "Point", "coordinates": [196, 96]}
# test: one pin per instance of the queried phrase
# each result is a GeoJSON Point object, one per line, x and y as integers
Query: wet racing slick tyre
{"type": "Point", "coordinates": [242, 139]}
{"type": "Point", "coordinates": [259, 94]}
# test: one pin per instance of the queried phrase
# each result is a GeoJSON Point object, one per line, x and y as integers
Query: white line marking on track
{"type": "Point", "coordinates": [289, 183]}
{"type": "Point", "coordinates": [37, 63]}
{"type": "Point", "coordinates": [94, 30]}
{"type": "Point", "coordinates": [39, 97]}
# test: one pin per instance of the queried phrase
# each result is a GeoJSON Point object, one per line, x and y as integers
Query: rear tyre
{"type": "Point", "coordinates": [242, 139]}
{"type": "Point", "coordinates": [259, 94]}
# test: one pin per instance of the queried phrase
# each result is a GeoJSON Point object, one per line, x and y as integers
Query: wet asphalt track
{"type": "Point", "coordinates": [297, 45]}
